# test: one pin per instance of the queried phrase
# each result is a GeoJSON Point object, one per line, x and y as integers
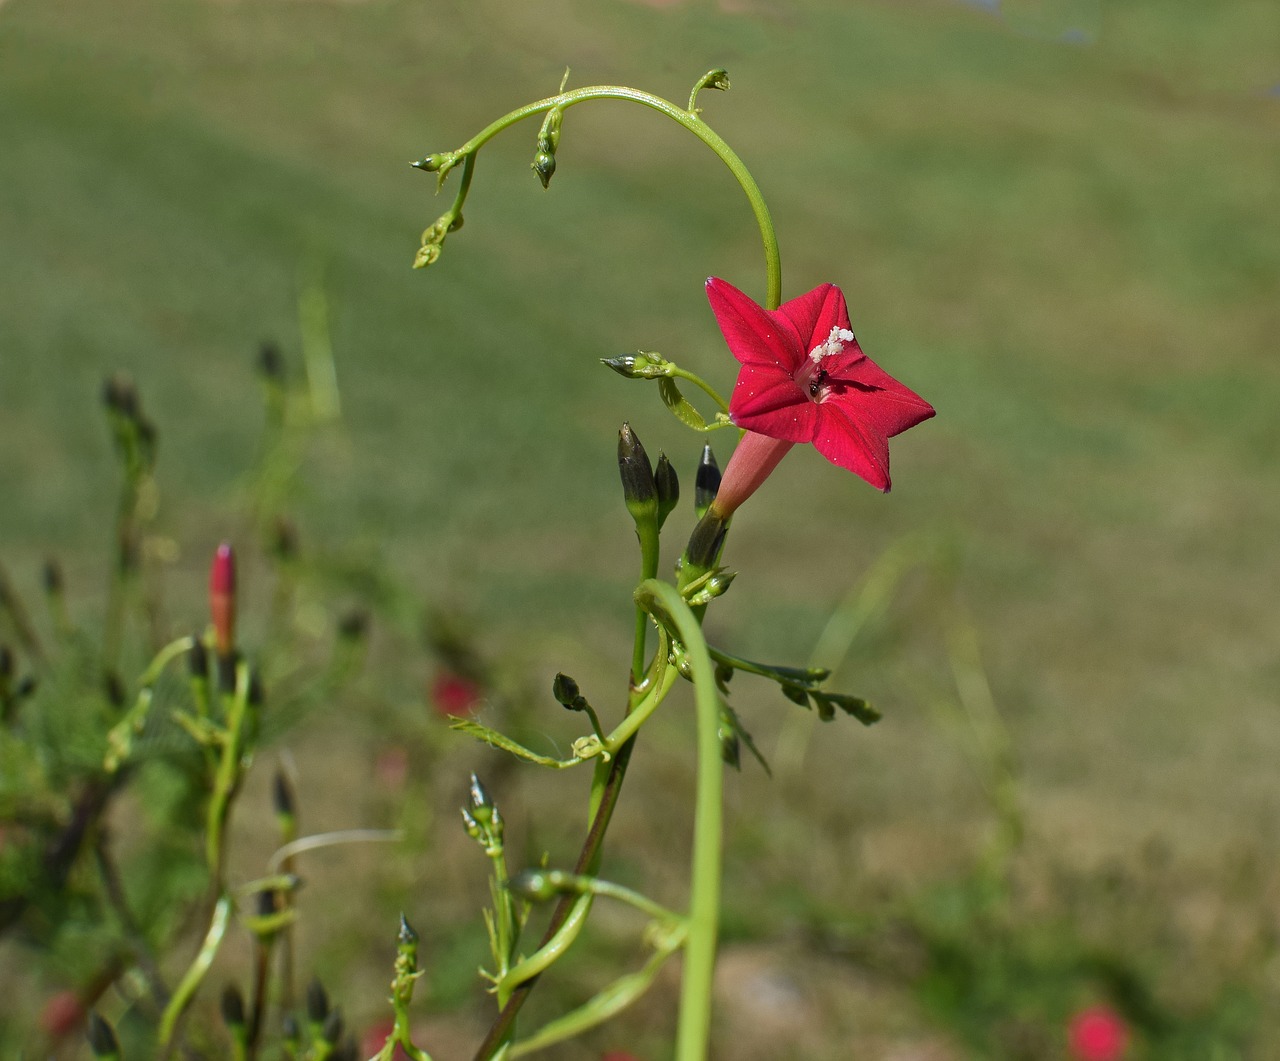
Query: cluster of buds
{"type": "Point", "coordinates": [544, 162]}
{"type": "Point", "coordinates": [481, 818]}
{"type": "Point", "coordinates": [650, 494]}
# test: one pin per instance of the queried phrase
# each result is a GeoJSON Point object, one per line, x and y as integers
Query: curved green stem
{"type": "Point", "coordinates": [204, 959]}
{"type": "Point", "coordinates": [694, 1028]}
{"type": "Point", "coordinates": [688, 119]}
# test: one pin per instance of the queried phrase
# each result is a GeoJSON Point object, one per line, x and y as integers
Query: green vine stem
{"type": "Point", "coordinates": [688, 118]}
{"type": "Point", "coordinates": [645, 695]}
{"type": "Point", "coordinates": [195, 974]}
{"type": "Point", "coordinates": [693, 1031]}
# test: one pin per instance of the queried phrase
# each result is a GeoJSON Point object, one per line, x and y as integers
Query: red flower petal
{"type": "Point", "coordinates": [846, 442]}
{"type": "Point", "coordinates": [770, 402]}
{"type": "Point", "coordinates": [815, 314]}
{"type": "Point", "coordinates": [755, 336]}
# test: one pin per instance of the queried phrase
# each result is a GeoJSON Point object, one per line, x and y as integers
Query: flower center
{"type": "Point", "coordinates": [811, 375]}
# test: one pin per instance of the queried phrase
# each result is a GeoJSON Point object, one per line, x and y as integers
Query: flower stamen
{"type": "Point", "coordinates": [832, 345]}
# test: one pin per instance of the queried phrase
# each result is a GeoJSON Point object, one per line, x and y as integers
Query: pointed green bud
{"type": "Point", "coordinates": [232, 1007]}
{"type": "Point", "coordinates": [706, 541]}
{"type": "Point", "coordinates": [640, 365]}
{"type": "Point", "coordinates": [331, 1030]}
{"type": "Point", "coordinates": [730, 743]}
{"type": "Point", "coordinates": [714, 79]}
{"type": "Point", "coordinates": [271, 362]}
{"type": "Point", "coordinates": [282, 795]}
{"type": "Point", "coordinates": [544, 166]}
{"type": "Point", "coordinates": [639, 490]}
{"type": "Point", "coordinates": [668, 484]}
{"type": "Point", "coordinates": [544, 161]}
{"type": "Point", "coordinates": [120, 396]}
{"type": "Point", "coordinates": [102, 1038]}
{"type": "Point", "coordinates": [317, 1002]}
{"type": "Point", "coordinates": [407, 937]}
{"type": "Point", "coordinates": [52, 575]}
{"type": "Point", "coordinates": [434, 163]}
{"type": "Point", "coordinates": [198, 660]}
{"type": "Point", "coordinates": [471, 825]}
{"type": "Point", "coordinates": [567, 694]}
{"type": "Point", "coordinates": [707, 483]}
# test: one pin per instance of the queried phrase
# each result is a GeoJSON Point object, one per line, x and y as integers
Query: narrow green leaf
{"type": "Point", "coordinates": [498, 740]}
{"type": "Point", "coordinates": [679, 405]}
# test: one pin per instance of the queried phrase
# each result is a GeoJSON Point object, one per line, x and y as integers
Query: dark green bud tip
{"type": "Point", "coordinates": [232, 1007]}
{"type": "Point", "coordinates": [113, 689]}
{"type": "Point", "coordinates": [284, 539]}
{"type": "Point", "coordinates": [533, 885]}
{"type": "Point", "coordinates": [480, 799]}
{"type": "Point", "coordinates": [102, 1037]}
{"type": "Point", "coordinates": [119, 395]}
{"type": "Point", "coordinates": [354, 625]}
{"type": "Point", "coordinates": [198, 660]}
{"type": "Point", "coordinates": [282, 795]}
{"type": "Point", "coordinates": [668, 484]}
{"type": "Point", "coordinates": [730, 746]}
{"type": "Point", "coordinates": [407, 937]}
{"type": "Point", "coordinates": [432, 163]}
{"type": "Point", "coordinates": [567, 694]}
{"type": "Point", "coordinates": [638, 487]}
{"type": "Point", "coordinates": [52, 577]}
{"type": "Point", "coordinates": [544, 165]}
{"type": "Point", "coordinates": [637, 366]}
{"type": "Point", "coordinates": [266, 902]}
{"type": "Point", "coordinates": [331, 1030]}
{"type": "Point", "coordinates": [705, 542]}
{"type": "Point", "coordinates": [707, 483]}
{"type": "Point", "coordinates": [271, 362]}
{"type": "Point", "coordinates": [289, 1028]}
{"type": "Point", "coordinates": [317, 1002]}
{"type": "Point", "coordinates": [716, 79]}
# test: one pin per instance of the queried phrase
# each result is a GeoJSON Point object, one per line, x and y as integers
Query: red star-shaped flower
{"type": "Point", "coordinates": [804, 378]}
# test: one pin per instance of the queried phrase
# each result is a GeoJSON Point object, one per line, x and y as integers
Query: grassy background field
{"type": "Point", "coordinates": [1071, 247]}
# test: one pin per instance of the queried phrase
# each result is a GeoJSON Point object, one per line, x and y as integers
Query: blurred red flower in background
{"type": "Point", "coordinates": [1098, 1033]}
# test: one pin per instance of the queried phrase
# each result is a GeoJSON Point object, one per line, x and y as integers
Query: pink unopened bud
{"type": "Point", "coordinates": [1098, 1034]}
{"type": "Point", "coordinates": [62, 1014]}
{"type": "Point", "coordinates": [222, 598]}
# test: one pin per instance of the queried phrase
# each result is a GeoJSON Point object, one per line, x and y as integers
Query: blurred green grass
{"type": "Point", "coordinates": [1071, 249]}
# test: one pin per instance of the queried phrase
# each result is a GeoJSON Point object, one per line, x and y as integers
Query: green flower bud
{"type": "Point", "coordinates": [567, 694]}
{"type": "Point", "coordinates": [407, 937]}
{"type": "Point", "coordinates": [317, 1002]}
{"type": "Point", "coordinates": [668, 484]}
{"type": "Point", "coordinates": [707, 483]}
{"type": "Point", "coordinates": [233, 1007]}
{"type": "Point", "coordinates": [544, 162]}
{"type": "Point", "coordinates": [331, 1030]}
{"type": "Point", "coordinates": [639, 490]}
{"type": "Point", "coordinates": [706, 541]}
{"type": "Point", "coordinates": [102, 1038]}
{"type": "Point", "coordinates": [282, 796]}
{"type": "Point", "coordinates": [638, 366]}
